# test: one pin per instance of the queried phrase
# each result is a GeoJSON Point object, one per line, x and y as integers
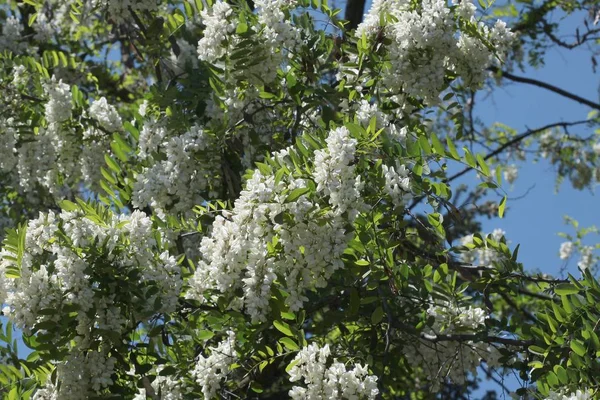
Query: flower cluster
{"type": "Point", "coordinates": [451, 360]}
{"type": "Point", "coordinates": [59, 106]}
{"type": "Point", "coordinates": [510, 173]}
{"type": "Point", "coordinates": [324, 379]}
{"type": "Point", "coordinates": [102, 272]}
{"type": "Point", "coordinates": [566, 249]}
{"type": "Point", "coordinates": [272, 36]}
{"type": "Point", "coordinates": [48, 392]}
{"type": "Point", "coordinates": [577, 395]}
{"type": "Point", "coordinates": [397, 183]}
{"type": "Point", "coordinates": [426, 41]}
{"type": "Point", "coordinates": [213, 45]}
{"type": "Point", "coordinates": [11, 37]}
{"type": "Point", "coordinates": [297, 242]}
{"type": "Point", "coordinates": [448, 317]}
{"type": "Point", "coordinates": [334, 174]}
{"type": "Point", "coordinates": [484, 256]}
{"type": "Point", "coordinates": [187, 57]}
{"type": "Point", "coordinates": [587, 258]}
{"type": "Point", "coordinates": [365, 110]}
{"type": "Point", "coordinates": [55, 159]}
{"type": "Point", "coordinates": [163, 388]}
{"type": "Point", "coordinates": [106, 115]}
{"type": "Point", "coordinates": [212, 369]}
{"type": "Point", "coordinates": [181, 170]}
{"type": "Point", "coordinates": [576, 159]}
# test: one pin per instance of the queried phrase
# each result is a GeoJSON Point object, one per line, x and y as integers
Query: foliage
{"type": "Point", "coordinates": [222, 199]}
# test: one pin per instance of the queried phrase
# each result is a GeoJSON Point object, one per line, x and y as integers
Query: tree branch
{"type": "Point", "coordinates": [469, 337]}
{"type": "Point", "coordinates": [514, 141]}
{"type": "Point", "coordinates": [546, 86]}
{"type": "Point", "coordinates": [580, 39]}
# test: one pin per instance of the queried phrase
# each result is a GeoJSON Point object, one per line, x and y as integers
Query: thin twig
{"type": "Point", "coordinates": [544, 85]}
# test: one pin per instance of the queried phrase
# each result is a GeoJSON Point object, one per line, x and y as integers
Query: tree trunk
{"type": "Point", "coordinates": [355, 10]}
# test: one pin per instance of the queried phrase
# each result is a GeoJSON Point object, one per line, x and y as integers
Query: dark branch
{"type": "Point", "coordinates": [580, 39]}
{"type": "Point", "coordinates": [546, 86]}
{"type": "Point", "coordinates": [515, 140]}
{"type": "Point", "coordinates": [473, 337]}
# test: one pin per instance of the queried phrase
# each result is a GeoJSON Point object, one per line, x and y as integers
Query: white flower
{"type": "Point", "coordinates": [485, 256]}
{"type": "Point", "coordinates": [181, 174]}
{"type": "Point", "coordinates": [53, 276]}
{"type": "Point", "coordinates": [424, 43]}
{"type": "Point", "coordinates": [333, 382]}
{"type": "Point", "coordinates": [451, 360]}
{"type": "Point", "coordinates": [578, 395]}
{"type": "Point", "coordinates": [566, 249]}
{"type": "Point", "coordinates": [58, 107]}
{"type": "Point", "coordinates": [212, 369]}
{"type": "Point", "coordinates": [397, 183]}
{"type": "Point", "coordinates": [11, 37]}
{"type": "Point", "coordinates": [510, 173]}
{"type": "Point", "coordinates": [106, 115]}
{"type": "Point", "coordinates": [237, 255]}
{"type": "Point", "coordinates": [334, 173]}
{"type": "Point", "coordinates": [217, 28]}
{"type": "Point", "coordinates": [587, 258]}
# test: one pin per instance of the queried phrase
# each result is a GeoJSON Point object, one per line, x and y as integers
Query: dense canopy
{"type": "Point", "coordinates": [209, 199]}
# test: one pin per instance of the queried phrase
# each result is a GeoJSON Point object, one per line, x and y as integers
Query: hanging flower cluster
{"type": "Point", "coordinates": [452, 360]}
{"type": "Point", "coordinates": [91, 275]}
{"type": "Point", "coordinates": [324, 379]}
{"type": "Point", "coordinates": [270, 238]}
{"type": "Point", "coordinates": [424, 40]}
{"type": "Point", "coordinates": [180, 170]}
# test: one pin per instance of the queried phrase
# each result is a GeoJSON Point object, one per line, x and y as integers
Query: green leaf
{"type": "Point", "coordinates": [537, 350]}
{"type": "Point", "coordinates": [267, 95]}
{"type": "Point", "coordinates": [32, 19]}
{"type": "Point", "coordinates": [452, 149]}
{"type": "Point", "coordinates": [291, 365]}
{"type": "Point", "coordinates": [561, 373]}
{"type": "Point", "coordinates": [112, 164]}
{"type": "Point", "coordinates": [241, 28]}
{"type": "Point", "coordinates": [295, 194]}
{"type": "Point", "coordinates": [283, 327]}
{"type": "Point", "coordinates": [565, 288]}
{"type": "Point", "coordinates": [188, 9]}
{"type": "Point", "coordinates": [204, 334]}
{"type": "Point", "coordinates": [437, 145]}
{"type": "Point", "coordinates": [290, 316]}
{"type": "Point", "coordinates": [168, 370]}
{"type": "Point", "coordinates": [377, 316]}
{"type": "Point", "coordinates": [108, 176]}
{"type": "Point", "coordinates": [289, 344]}
{"type": "Point", "coordinates": [470, 160]}
{"type": "Point", "coordinates": [501, 207]}
{"type": "Point", "coordinates": [558, 312]}
{"type": "Point", "coordinates": [68, 205]}
{"type": "Point", "coordinates": [578, 347]}
{"type": "Point", "coordinates": [425, 146]}
{"type": "Point", "coordinates": [484, 168]}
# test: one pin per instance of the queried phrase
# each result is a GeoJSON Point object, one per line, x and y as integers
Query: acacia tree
{"type": "Point", "coordinates": [229, 200]}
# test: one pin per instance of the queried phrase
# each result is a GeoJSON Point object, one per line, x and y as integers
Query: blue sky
{"type": "Point", "coordinates": [534, 220]}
